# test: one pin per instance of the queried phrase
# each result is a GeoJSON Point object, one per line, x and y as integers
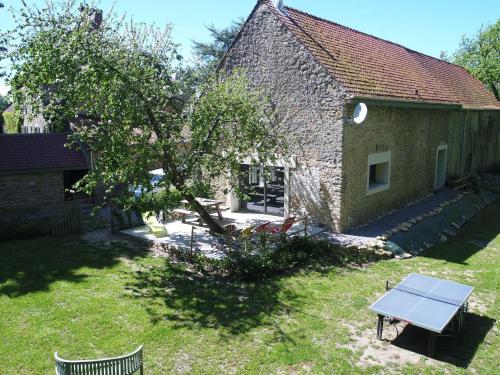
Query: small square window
{"type": "Point", "coordinates": [379, 172]}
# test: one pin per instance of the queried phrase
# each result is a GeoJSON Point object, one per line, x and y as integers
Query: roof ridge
{"type": "Point", "coordinates": [369, 35]}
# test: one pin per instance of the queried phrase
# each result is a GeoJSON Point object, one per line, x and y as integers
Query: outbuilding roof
{"type": "Point", "coordinates": [30, 152]}
{"type": "Point", "coordinates": [370, 67]}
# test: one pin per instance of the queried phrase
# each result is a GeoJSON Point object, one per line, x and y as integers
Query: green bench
{"type": "Point", "coordinates": [124, 365]}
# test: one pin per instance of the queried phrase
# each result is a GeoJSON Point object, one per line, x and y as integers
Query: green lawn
{"type": "Point", "coordinates": [94, 300]}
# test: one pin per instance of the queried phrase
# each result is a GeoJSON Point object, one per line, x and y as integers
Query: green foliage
{"type": "Point", "coordinates": [221, 39]}
{"type": "Point", "coordinates": [210, 53]}
{"type": "Point", "coordinates": [285, 324]}
{"type": "Point", "coordinates": [12, 122]}
{"type": "Point", "coordinates": [166, 199]}
{"type": "Point", "coordinates": [480, 55]}
{"type": "Point", "coordinates": [119, 75]}
{"type": "Point", "coordinates": [271, 255]}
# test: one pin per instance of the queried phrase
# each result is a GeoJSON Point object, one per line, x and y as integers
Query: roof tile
{"type": "Point", "coordinates": [367, 66]}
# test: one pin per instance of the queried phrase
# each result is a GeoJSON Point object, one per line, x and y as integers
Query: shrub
{"type": "Point", "coordinates": [12, 122]}
{"type": "Point", "coordinates": [273, 255]}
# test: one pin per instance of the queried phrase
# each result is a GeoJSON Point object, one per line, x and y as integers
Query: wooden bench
{"type": "Point", "coordinates": [182, 213]}
{"type": "Point", "coordinates": [460, 183]}
{"type": "Point", "coordinates": [124, 365]}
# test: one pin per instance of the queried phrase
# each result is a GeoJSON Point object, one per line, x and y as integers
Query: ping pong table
{"type": "Point", "coordinates": [426, 302]}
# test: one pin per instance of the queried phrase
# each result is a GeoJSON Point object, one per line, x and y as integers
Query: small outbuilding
{"type": "Point", "coordinates": [36, 171]}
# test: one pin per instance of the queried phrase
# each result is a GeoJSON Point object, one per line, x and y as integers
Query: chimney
{"type": "Point", "coordinates": [278, 4]}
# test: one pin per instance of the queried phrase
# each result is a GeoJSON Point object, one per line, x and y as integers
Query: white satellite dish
{"type": "Point", "coordinates": [360, 113]}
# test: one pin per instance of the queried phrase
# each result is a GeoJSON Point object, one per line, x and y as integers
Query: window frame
{"type": "Point", "coordinates": [374, 159]}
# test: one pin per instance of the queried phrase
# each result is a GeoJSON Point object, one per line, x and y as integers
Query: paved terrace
{"type": "Point", "coordinates": [180, 233]}
{"type": "Point", "coordinates": [401, 226]}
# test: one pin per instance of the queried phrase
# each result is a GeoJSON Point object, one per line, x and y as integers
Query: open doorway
{"type": "Point", "coordinates": [441, 160]}
{"type": "Point", "coordinates": [265, 187]}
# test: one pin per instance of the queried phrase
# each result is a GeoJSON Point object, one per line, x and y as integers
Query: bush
{"type": "Point", "coordinates": [12, 122]}
{"type": "Point", "coordinates": [272, 255]}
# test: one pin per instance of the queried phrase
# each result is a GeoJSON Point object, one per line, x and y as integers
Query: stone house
{"type": "Point", "coordinates": [427, 120]}
{"type": "Point", "coordinates": [36, 170]}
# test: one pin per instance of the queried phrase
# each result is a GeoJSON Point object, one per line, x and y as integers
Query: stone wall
{"type": "Point", "coordinates": [310, 107]}
{"type": "Point", "coordinates": [412, 136]}
{"type": "Point", "coordinates": [41, 190]}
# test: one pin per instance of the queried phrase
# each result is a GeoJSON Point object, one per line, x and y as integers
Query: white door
{"type": "Point", "coordinates": [441, 159]}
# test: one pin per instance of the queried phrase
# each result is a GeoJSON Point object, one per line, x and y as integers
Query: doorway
{"type": "Point", "coordinates": [265, 188]}
{"type": "Point", "coordinates": [441, 160]}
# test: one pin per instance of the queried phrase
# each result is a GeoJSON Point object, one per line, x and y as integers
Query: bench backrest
{"type": "Point", "coordinates": [124, 365]}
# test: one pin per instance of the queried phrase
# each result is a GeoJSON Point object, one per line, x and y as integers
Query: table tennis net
{"type": "Point", "coordinates": [429, 295]}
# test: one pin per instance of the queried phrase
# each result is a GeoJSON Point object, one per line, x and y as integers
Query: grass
{"type": "Point", "coordinates": [94, 300]}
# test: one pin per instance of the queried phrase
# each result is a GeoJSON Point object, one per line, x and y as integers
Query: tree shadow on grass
{"type": "Point", "coordinates": [458, 352]}
{"type": "Point", "coordinates": [29, 266]}
{"type": "Point", "coordinates": [174, 293]}
{"type": "Point", "coordinates": [171, 292]}
{"type": "Point", "coordinates": [472, 238]}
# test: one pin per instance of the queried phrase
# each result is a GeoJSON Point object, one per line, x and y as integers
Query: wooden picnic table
{"type": "Point", "coordinates": [208, 203]}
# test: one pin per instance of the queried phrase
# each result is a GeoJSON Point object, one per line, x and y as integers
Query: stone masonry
{"type": "Point", "coordinates": [37, 190]}
{"type": "Point", "coordinates": [330, 180]}
{"type": "Point", "coordinates": [309, 102]}
{"type": "Point", "coordinates": [413, 135]}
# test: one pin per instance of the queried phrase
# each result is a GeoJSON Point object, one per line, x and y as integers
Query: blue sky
{"type": "Point", "coordinates": [428, 26]}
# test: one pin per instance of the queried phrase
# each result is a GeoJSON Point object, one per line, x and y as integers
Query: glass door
{"type": "Point", "coordinates": [265, 186]}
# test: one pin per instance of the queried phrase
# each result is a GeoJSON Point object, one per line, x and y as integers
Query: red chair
{"type": "Point", "coordinates": [287, 224]}
{"type": "Point", "coordinates": [262, 228]}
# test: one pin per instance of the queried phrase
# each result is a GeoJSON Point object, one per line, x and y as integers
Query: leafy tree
{"type": "Point", "coordinates": [212, 52]}
{"type": "Point", "coordinates": [114, 80]}
{"type": "Point", "coordinates": [480, 55]}
{"type": "Point", "coordinates": [208, 54]}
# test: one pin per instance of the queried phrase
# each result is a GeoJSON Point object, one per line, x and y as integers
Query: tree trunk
{"type": "Point", "coordinates": [214, 226]}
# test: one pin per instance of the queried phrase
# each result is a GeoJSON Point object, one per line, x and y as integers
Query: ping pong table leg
{"type": "Point", "coordinates": [431, 344]}
{"type": "Point", "coordinates": [380, 326]}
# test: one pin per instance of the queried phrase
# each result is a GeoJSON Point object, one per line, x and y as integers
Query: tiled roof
{"type": "Point", "coordinates": [367, 66]}
{"type": "Point", "coordinates": [26, 152]}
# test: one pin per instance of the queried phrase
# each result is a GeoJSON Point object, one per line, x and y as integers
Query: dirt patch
{"type": "Point", "coordinates": [99, 236]}
{"type": "Point", "coordinates": [182, 364]}
{"type": "Point", "coordinates": [380, 353]}
{"type": "Point", "coordinates": [301, 368]}
{"type": "Point", "coordinates": [479, 303]}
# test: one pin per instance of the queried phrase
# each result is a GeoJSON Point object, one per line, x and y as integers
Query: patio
{"type": "Point", "coordinates": [179, 233]}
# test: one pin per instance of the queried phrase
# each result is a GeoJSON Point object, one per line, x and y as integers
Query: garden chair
{"type": "Point", "coordinates": [124, 365]}
{"type": "Point", "coordinates": [247, 232]}
{"type": "Point", "coordinates": [287, 224]}
{"type": "Point", "coordinates": [262, 228]}
{"type": "Point", "coordinates": [157, 228]}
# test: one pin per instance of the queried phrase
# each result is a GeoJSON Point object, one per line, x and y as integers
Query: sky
{"type": "Point", "coordinates": [427, 26]}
